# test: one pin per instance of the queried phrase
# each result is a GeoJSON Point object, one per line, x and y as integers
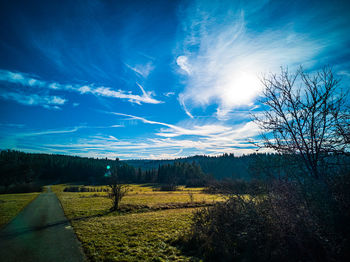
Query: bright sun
{"type": "Point", "coordinates": [240, 88]}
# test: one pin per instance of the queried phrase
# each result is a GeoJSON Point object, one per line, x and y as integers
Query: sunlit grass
{"type": "Point", "coordinates": [140, 235]}
{"type": "Point", "coordinates": [12, 204]}
{"type": "Point", "coordinates": [93, 203]}
{"type": "Point", "coordinates": [134, 237]}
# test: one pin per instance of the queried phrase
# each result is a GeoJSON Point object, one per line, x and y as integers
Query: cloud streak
{"type": "Point", "coordinates": [169, 141]}
{"type": "Point", "coordinates": [142, 69]}
{"type": "Point", "coordinates": [209, 138]}
{"type": "Point", "coordinates": [175, 131]}
{"type": "Point", "coordinates": [48, 102]}
{"type": "Point", "coordinates": [29, 81]}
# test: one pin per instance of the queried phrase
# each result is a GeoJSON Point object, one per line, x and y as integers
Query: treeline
{"type": "Point", "coordinates": [226, 165]}
{"type": "Point", "coordinates": [245, 167]}
{"type": "Point", "coordinates": [19, 169]}
{"type": "Point", "coordinates": [177, 173]}
{"type": "Point", "coordinates": [189, 174]}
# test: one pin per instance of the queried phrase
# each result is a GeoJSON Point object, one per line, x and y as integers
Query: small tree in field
{"type": "Point", "coordinates": [118, 190]}
{"type": "Point", "coordinates": [306, 116]}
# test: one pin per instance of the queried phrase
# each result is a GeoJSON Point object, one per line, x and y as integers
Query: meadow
{"type": "Point", "coordinates": [12, 204]}
{"type": "Point", "coordinates": [144, 229]}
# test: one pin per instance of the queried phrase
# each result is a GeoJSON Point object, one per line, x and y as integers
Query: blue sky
{"type": "Point", "coordinates": [153, 79]}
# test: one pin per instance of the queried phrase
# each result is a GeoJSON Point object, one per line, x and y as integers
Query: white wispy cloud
{"type": "Point", "coordinates": [208, 138]}
{"type": "Point", "coordinates": [146, 97]}
{"type": "Point", "coordinates": [169, 141]}
{"type": "Point", "coordinates": [33, 133]}
{"type": "Point", "coordinates": [142, 69]}
{"type": "Point", "coordinates": [169, 94]}
{"type": "Point", "coordinates": [50, 132]}
{"type": "Point", "coordinates": [183, 104]}
{"type": "Point", "coordinates": [49, 102]}
{"type": "Point", "coordinates": [27, 80]}
{"type": "Point", "coordinates": [20, 78]}
{"type": "Point", "coordinates": [212, 130]}
{"type": "Point", "coordinates": [21, 137]}
{"type": "Point", "coordinates": [223, 61]}
{"type": "Point", "coordinates": [12, 125]}
{"type": "Point", "coordinates": [150, 148]}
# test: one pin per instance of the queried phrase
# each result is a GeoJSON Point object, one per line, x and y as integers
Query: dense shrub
{"type": "Point", "coordinates": [168, 187]}
{"type": "Point", "coordinates": [21, 188]}
{"type": "Point", "coordinates": [291, 222]}
{"type": "Point", "coordinates": [236, 186]}
{"type": "Point", "coordinates": [84, 189]}
{"type": "Point", "coordinates": [227, 231]}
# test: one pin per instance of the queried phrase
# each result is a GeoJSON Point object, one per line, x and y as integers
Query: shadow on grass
{"type": "Point", "coordinates": [124, 210]}
{"type": "Point", "coordinates": [130, 208]}
{"type": "Point", "coordinates": [7, 234]}
{"type": "Point", "coordinates": [151, 185]}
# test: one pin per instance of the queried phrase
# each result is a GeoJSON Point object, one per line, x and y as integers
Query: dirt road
{"type": "Point", "coordinates": [40, 232]}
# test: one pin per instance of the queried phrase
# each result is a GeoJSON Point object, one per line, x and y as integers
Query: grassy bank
{"type": "Point", "coordinates": [12, 204]}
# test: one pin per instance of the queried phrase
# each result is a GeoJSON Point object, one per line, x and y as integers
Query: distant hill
{"type": "Point", "coordinates": [19, 167]}
{"type": "Point", "coordinates": [224, 166]}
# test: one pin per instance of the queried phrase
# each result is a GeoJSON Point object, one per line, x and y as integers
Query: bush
{"type": "Point", "coordinates": [237, 186]}
{"type": "Point", "coordinates": [71, 189]}
{"type": "Point", "coordinates": [289, 223]}
{"type": "Point", "coordinates": [21, 188]}
{"type": "Point", "coordinates": [227, 231]}
{"type": "Point", "coordinates": [84, 189]}
{"type": "Point", "coordinates": [168, 187]}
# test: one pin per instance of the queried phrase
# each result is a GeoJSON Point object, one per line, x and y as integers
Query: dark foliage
{"type": "Point", "coordinates": [233, 187]}
{"type": "Point", "coordinates": [21, 188]}
{"type": "Point", "coordinates": [189, 174]}
{"type": "Point", "coordinates": [289, 223]}
{"type": "Point", "coordinates": [18, 169]}
{"type": "Point", "coordinates": [245, 167]}
{"type": "Point", "coordinates": [168, 187]}
{"type": "Point", "coordinates": [226, 165]}
{"type": "Point", "coordinates": [84, 189]}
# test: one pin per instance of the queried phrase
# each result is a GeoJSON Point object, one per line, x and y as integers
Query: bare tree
{"type": "Point", "coordinates": [343, 125]}
{"type": "Point", "coordinates": [304, 117]}
{"type": "Point", "coordinates": [118, 190]}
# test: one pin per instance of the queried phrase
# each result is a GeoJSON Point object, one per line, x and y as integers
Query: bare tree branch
{"type": "Point", "coordinates": [306, 116]}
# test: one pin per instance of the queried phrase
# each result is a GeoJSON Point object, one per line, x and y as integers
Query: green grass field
{"type": "Point", "coordinates": [134, 237]}
{"type": "Point", "coordinates": [77, 205]}
{"type": "Point", "coordinates": [144, 233]}
{"type": "Point", "coordinates": [12, 204]}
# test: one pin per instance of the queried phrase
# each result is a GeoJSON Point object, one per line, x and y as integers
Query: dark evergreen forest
{"type": "Point", "coordinates": [18, 168]}
{"type": "Point", "coordinates": [245, 167]}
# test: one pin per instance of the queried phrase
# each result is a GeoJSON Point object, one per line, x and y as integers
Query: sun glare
{"type": "Point", "coordinates": [240, 89]}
